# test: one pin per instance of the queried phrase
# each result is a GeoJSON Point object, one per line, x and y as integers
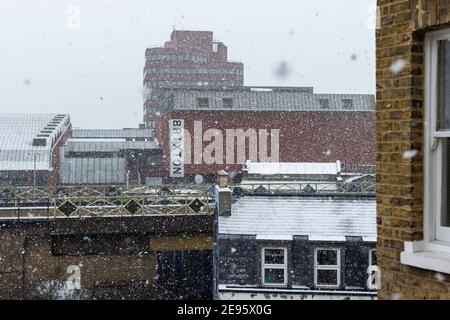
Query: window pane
{"type": "Point", "coordinates": [327, 277]}
{"type": "Point", "coordinates": [326, 257]}
{"type": "Point", "coordinates": [444, 84]}
{"type": "Point", "coordinates": [373, 256]}
{"type": "Point", "coordinates": [274, 276]}
{"type": "Point", "coordinates": [445, 219]}
{"type": "Point", "coordinates": [274, 256]}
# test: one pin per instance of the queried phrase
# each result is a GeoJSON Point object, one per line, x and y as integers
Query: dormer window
{"type": "Point", "coordinates": [202, 102]}
{"type": "Point", "coordinates": [274, 267]}
{"type": "Point", "coordinates": [327, 268]}
{"type": "Point", "coordinates": [324, 103]}
{"type": "Point", "coordinates": [347, 104]}
{"type": "Point", "coordinates": [227, 103]}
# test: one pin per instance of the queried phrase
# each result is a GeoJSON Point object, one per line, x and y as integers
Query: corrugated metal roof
{"type": "Point", "coordinates": [108, 146]}
{"type": "Point", "coordinates": [112, 133]}
{"type": "Point", "coordinates": [267, 100]}
{"type": "Point", "coordinates": [17, 132]}
{"type": "Point", "coordinates": [288, 168]}
{"type": "Point", "coordinates": [93, 171]}
{"type": "Point", "coordinates": [319, 217]}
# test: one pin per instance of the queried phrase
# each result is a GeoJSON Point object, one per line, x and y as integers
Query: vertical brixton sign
{"type": "Point", "coordinates": [176, 133]}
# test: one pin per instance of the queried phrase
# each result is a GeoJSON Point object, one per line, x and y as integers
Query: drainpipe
{"type": "Point", "coordinates": [24, 266]}
{"type": "Point", "coordinates": [223, 200]}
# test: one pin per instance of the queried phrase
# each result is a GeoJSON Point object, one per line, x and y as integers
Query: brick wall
{"type": "Point", "coordinates": [305, 136]}
{"type": "Point", "coordinates": [399, 125]}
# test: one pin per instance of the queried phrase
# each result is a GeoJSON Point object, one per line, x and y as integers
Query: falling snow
{"type": "Point", "coordinates": [409, 154]}
{"type": "Point", "coordinates": [397, 66]}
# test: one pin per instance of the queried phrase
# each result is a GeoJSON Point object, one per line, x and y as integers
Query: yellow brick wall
{"type": "Point", "coordinates": [26, 260]}
{"type": "Point", "coordinates": [399, 123]}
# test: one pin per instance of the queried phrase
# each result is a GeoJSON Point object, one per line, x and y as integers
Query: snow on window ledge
{"type": "Point", "coordinates": [426, 256]}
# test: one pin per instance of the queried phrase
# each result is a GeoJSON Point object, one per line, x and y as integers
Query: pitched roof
{"type": "Point", "coordinates": [320, 218]}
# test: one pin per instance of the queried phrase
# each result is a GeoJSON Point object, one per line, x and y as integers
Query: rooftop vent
{"type": "Point", "coordinates": [39, 142]}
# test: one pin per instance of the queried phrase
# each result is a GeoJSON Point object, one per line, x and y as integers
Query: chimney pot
{"type": "Point", "coordinates": [222, 179]}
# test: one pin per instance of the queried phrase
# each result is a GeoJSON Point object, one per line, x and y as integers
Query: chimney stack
{"type": "Point", "coordinates": [223, 194]}
{"type": "Point", "coordinates": [222, 180]}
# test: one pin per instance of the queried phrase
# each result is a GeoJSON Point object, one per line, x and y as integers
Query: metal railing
{"type": "Point", "coordinates": [94, 201]}
{"type": "Point", "coordinates": [132, 205]}
{"type": "Point", "coordinates": [301, 188]}
{"type": "Point", "coordinates": [82, 201]}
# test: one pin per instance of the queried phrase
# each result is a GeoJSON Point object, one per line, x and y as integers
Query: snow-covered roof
{"type": "Point", "coordinates": [359, 177]}
{"type": "Point", "coordinates": [17, 133]}
{"type": "Point", "coordinates": [291, 168]}
{"type": "Point", "coordinates": [112, 133]}
{"type": "Point", "coordinates": [320, 218]}
{"type": "Point", "coordinates": [108, 146]}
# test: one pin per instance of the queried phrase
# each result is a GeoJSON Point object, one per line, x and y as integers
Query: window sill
{"type": "Point", "coordinates": [420, 255]}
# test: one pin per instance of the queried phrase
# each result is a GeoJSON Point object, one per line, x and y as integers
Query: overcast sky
{"type": "Point", "coordinates": [91, 67]}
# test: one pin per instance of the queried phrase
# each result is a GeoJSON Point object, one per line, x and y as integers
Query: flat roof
{"type": "Point", "coordinates": [264, 99]}
{"type": "Point", "coordinates": [292, 168]}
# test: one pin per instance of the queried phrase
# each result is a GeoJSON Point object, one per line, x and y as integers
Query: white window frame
{"type": "Point", "coordinates": [434, 147]}
{"type": "Point", "coordinates": [265, 266]}
{"type": "Point", "coordinates": [336, 267]}
{"type": "Point", "coordinates": [433, 252]}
